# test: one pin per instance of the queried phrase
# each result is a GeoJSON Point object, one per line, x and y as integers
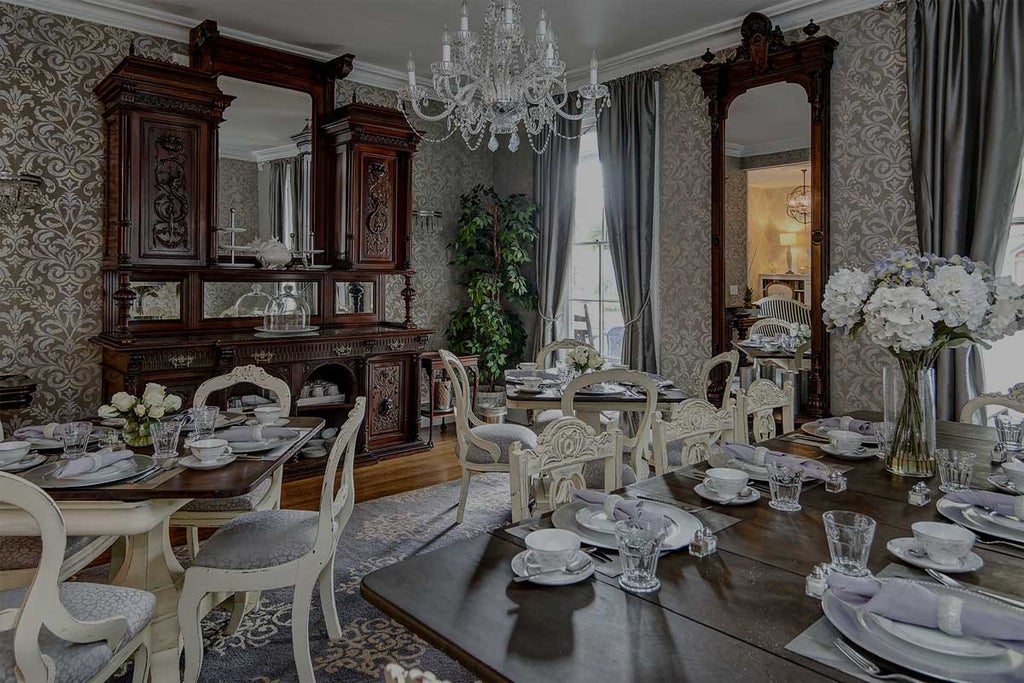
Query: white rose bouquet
{"type": "Point", "coordinates": [139, 413]}
{"type": "Point", "coordinates": [914, 305]}
{"type": "Point", "coordinates": [800, 331]}
{"type": "Point", "coordinates": [584, 358]}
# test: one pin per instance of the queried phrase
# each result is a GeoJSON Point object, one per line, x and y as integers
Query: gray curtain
{"type": "Point", "coordinates": [554, 190]}
{"type": "Point", "coordinates": [627, 139]}
{"type": "Point", "coordinates": [284, 199]}
{"type": "Point", "coordinates": [966, 79]}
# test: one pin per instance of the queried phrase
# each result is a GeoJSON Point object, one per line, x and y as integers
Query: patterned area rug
{"type": "Point", "coordinates": [380, 533]}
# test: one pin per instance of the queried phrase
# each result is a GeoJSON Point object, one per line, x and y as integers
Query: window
{"type": "Point", "coordinates": [593, 314]}
{"type": "Point", "coordinates": [1003, 366]}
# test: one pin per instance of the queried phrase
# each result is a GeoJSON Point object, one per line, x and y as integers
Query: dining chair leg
{"type": "Point", "coordinates": [241, 604]}
{"type": "Point", "coordinates": [192, 536]}
{"type": "Point", "coordinates": [117, 554]}
{"type": "Point", "coordinates": [191, 635]}
{"type": "Point", "coordinates": [328, 602]}
{"type": "Point", "coordinates": [463, 494]}
{"type": "Point", "coordinates": [140, 663]}
{"type": "Point", "coordinates": [301, 600]}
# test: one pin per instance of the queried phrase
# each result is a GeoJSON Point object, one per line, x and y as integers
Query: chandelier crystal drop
{"type": "Point", "coordinates": [497, 81]}
{"type": "Point", "coordinates": [798, 202]}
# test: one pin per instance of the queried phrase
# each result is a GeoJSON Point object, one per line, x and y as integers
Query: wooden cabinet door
{"type": "Point", "coordinates": [377, 189]}
{"type": "Point", "coordinates": [387, 413]}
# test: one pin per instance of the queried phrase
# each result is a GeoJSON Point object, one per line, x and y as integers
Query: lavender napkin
{"type": "Point", "coordinates": [910, 602]}
{"type": "Point", "coordinates": [92, 462]}
{"type": "Point", "coordinates": [624, 509]}
{"type": "Point", "coordinates": [862, 426]}
{"type": "Point", "coordinates": [249, 433]}
{"type": "Point", "coordinates": [53, 430]}
{"type": "Point", "coordinates": [744, 452]}
{"type": "Point", "coordinates": [1000, 503]}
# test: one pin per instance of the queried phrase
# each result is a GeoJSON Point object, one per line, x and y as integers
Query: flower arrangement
{"type": "Point", "coordinates": [800, 331]}
{"type": "Point", "coordinates": [139, 413]}
{"type": "Point", "coordinates": [914, 305]}
{"type": "Point", "coordinates": [584, 358]}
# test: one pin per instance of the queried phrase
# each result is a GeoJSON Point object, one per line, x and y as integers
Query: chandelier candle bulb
{"type": "Point", "coordinates": [446, 46]}
{"type": "Point", "coordinates": [411, 66]}
{"type": "Point", "coordinates": [542, 25]}
{"type": "Point", "coordinates": [593, 68]}
{"type": "Point", "coordinates": [464, 20]}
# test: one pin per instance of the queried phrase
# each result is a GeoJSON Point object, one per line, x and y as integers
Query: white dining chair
{"type": "Point", "coordinates": [19, 557]}
{"type": "Point", "coordinates": [687, 435]}
{"type": "Point", "coordinates": [702, 378]}
{"type": "Point", "coordinates": [1012, 399]}
{"type": "Point", "coordinates": [481, 446]}
{"type": "Point", "coordinates": [557, 464]}
{"type": "Point", "coordinates": [271, 549]}
{"type": "Point", "coordinates": [769, 327]}
{"type": "Point", "coordinates": [784, 307]}
{"type": "Point", "coordinates": [546, 417]}
{"type": "Point", "coordinates": [396, 673]}
{"type": "Point", "coordinates": [757, 405]}
{"type": "Point", "coordinates": [67, 631]}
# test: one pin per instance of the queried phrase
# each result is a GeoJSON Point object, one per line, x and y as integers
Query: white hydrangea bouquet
{"type": "Point", "coordinates": [801, 332]}
{"type": "Point", "coordinates": [583, 359]}
{"type": "Point", "coordinates": [914, 305]}
{"type": "Point", "coordinates": [139, 413]}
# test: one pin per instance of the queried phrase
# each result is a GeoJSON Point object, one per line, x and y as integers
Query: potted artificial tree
{"type": "Point", "coordinates": [494, 243]}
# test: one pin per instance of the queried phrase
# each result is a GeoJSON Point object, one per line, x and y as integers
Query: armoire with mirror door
{"type": "Point", "coordinates": [162, 249]}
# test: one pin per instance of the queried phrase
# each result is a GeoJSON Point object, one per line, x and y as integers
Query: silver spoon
{"type": "Point", "coordinates": [581, 562]}
{"type": "Point", "coordinates": [746, 492]}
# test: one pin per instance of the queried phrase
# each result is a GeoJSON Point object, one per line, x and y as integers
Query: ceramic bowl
{"type": "Point", "coordinates": [725, 481]}
{"type": "Point", "coordinates": [209, 449]}
{"type": "Point", "coordinates": [13, 451]}
{"type": "Point", "coordinates": [267, 415]}
{"type": "Point", "coordinates": [552, 548]}
{"type": "Point", "coordinates": [944, 543]}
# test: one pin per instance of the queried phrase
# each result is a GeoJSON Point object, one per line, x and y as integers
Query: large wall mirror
{"type": "Point", "coordinates": [769, 107]}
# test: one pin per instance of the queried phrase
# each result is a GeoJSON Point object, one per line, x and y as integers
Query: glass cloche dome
{"type": "Point", "coordinates": [287, 313]}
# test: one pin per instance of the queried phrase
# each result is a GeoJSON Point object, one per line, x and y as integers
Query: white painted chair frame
{"type": "Point", "coordinates": [699, 425]}
{"type": "Point", "coordinates": [562, 344]}
{"type": "Point", "coordinates": [640, 443]}
{"type": "Point", "coordinates": [465, 420]}
{"type": "Point", "coordinates": [771, 327]}
{"type": "Point", "coordinates": [395, 673]}
{"type": "Point", "coordinates": [786, 308]}
{"type": "Point", "coordinates": [563, 449]}
{"type": "Point", "coordinates": [316, 568]}
{"type": "Point", "coordinates": [42, 605]}
{"type": "Point", "coordinates": [759, 402]}
{"type": "Point", "coordinates": [707, 366]}
{"type": "Point", "coordinates": [1013, 399]}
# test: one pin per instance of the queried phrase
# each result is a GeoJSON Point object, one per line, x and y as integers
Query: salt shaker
{"type": "Point", "coordinates": [704, 543]}
{"type": "Point", "coordinates": [999, 454]}
{"type": "Point", "coordinates": [835, 482]}
{"type": "Point", "coordinates": [817, 581]}
{"type": "Point", "coordinates": [920, 495]}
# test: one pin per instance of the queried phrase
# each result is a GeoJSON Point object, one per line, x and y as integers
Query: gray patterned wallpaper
{"type": "Point", "coordinates": [238, 189]}
{"type": "Point", "coordinates": [735, 219]}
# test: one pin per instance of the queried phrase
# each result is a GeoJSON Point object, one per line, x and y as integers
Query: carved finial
{"type": "Point", "coordinates": [811, 29]}
{"type": "Point", "coordinates": [708, 56]}
{"type": "Point", "coordinates": [131, 48]}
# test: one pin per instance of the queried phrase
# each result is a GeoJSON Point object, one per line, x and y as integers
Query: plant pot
{"type": "Point", "coordinates": [136, 432]}
{"type": "Point", "coordinates": [490, 399]}
{"type": "Point", "coordinates": [909, 397]}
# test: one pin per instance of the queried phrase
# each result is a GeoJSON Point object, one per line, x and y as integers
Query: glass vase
{"type": "Point", "coordinates": [136, 432]}
{"type": "Point", "coordinates": [909, 396]}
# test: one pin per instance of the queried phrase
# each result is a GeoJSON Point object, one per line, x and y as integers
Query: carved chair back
{"type": "Point", "coordinates": [336, 508]}
{"type": "Point", "coordinates": [563, 449]}
{"type": "Point", "coordinates": [250, 374]}
{"type": "Point", "coordinates": [758, 404]}
{"type": "Point", "coordinates": [1013, 400]}
{"type": "Point", "coordinates": [770, 327]}
{"type": "Point", "coordinates": [703, 378]}
{"type": "Point", "coordinates": [559, 345]}
{"type": "Point", "coordinates": [465, 418]}
{"type": "Point", "coordinates": [697, 425]}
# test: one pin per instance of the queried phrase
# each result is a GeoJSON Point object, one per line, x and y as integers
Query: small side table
{"type": "Point", "coordinates": [15, 394]}
{"type": "Point", "coordinates": [431, 363]}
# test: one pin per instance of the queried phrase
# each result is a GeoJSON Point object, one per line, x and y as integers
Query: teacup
{"type": "Point", "coordinates": [13, 451]}
{"type": "Point", "coordinates": [531, 383]}
{"type": "Point", "coordinates": [770, 345]}
{"type": "Point", "coordinates": [552, 548]}
{"type": "Point", "coordinates": [945, 544]}
{"type": "Point", "coordinates": [210, 449]}
{"type": "Point", "coordinates": [527, 366]}
{"type": "Point", "coordinates": [845, 441]}
{"type": "Point", "coordinates": [1014, 471]}
{"type": "Point", "coordinates": [756, 338]}
{"type": "Point", "coordinates": [267, 415]}
{"type": "Point", "coordinates": [725, 482]}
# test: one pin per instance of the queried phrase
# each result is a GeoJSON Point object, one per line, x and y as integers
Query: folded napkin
{"type": "Point", "coordinates": [624, 509]}
{"type": "Point", "coordinates": [53, 430]}
{"type": "Point", "coordinates": [910, 602]}
{"type": "Point", "coordinates": [92, 462]}
{"type": "Point", "coordinates": [748, 454]}
{"type": "Point", "coordinates": [1000, 503]}
{"type": "Point", "coordinates": [249, 433]}
{"type": "Point", "coordinates": [864, 427]}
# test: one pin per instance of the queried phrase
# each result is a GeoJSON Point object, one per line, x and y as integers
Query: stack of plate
{"type": "Point", "coordinates": [981, 520]}
{"type": "Point", "coordinates": [589, 522]}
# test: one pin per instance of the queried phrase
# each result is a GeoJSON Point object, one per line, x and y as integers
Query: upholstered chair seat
{"type": "Point", "coordinates": [546, 417]}
{"type": "Point", "coordinates": [501, 435]}
{"type": "Point", "coordinates": [265, 538]}
{"type": "Point", "coordinates": [246, 503]}
{"type": "Point", "coordinates": [23, 552]}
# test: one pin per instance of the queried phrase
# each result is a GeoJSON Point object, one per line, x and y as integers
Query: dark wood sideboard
{"type": "Point", "coordinates": [162, 124]}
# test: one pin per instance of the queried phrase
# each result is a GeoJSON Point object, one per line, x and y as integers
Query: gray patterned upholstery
{"type": "Point", "coordinates": [265, 538]}
{"type": "Point", "coordinates": [503, 436]}
{"type": "Point", "coordinates": [22, 552]}
{"type": "Point", "coordinates": [246, 503]}
{"type": "Point", "coordinates": [77, 663]}
{"type": "Point", "coordinates": [546, 417]}
{"type": "Point", "coordinates": [674, 451]}
{"type": "Point", "coordinates": [593, 475]}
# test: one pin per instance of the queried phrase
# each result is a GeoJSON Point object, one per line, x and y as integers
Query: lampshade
{"type": "Point", "coordinates": [787, 239]}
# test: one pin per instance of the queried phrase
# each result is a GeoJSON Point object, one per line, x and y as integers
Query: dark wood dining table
{"type": "Point", "coordinates": [725, 617]}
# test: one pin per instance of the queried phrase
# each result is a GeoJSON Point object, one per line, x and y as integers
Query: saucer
{"type": "Point", "coordinates": [194, 463]}
{"type": "Point", "coordinates": [522, 567]}
{"type": "Point", "coordinates": [531, 392]}
{"type": "Point", "coordinates": [703, 492]}
{"type": "Point", "coordinates": [861, 453]}
{"type": "Point", "coordinates": [313, 452]}
{"type": "Point", "coordinates": [1003, 483]}
{"type": "Point", "coordinates": [903, 548]}
{"type": "Point", "coordinates": [28, 462]}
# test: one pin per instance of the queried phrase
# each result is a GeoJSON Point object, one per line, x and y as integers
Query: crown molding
{"type": "Point", "coordinates": [773, 147]}
{"type": "Point", "coordinates": [788, 15]}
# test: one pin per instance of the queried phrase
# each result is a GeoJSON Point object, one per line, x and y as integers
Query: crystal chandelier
{"type": "Point", "coordinates": [494, 81]}
{"type": "Point", "coordinates": [798, 202]}
{"type": "Point", "coordinates": [18, 191]}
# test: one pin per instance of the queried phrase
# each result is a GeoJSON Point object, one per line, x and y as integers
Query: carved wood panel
{"type": "Point", "coordinates": [378, 209]}
{"type": "Point", "coordinates": [387, 404]}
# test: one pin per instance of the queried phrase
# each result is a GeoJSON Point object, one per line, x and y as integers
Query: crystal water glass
{"type": "Point", "coordinates": [850, 535]}
{"type": "Point", "coordinates": [883, 433]}
{"type": "Point", "coordinates": [955, 469]}
{"type": "Point", "coordinates": [75, 438]}
{"type": "Point", "coordinates": [639, 544]}
{"type": "Point", "coordinates": [165, 435]}
{"type": "Point", "coordinates": [1010, 433]}
{"type": "Point", "coordinates": [204, 420]}
{"type": "Point", "coordinates": [785, 482]}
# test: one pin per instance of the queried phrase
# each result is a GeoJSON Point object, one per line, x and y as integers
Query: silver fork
{"type": "Point", "coordinates": [1009, 544]}
{"type": "Point", "coordinates": [953, 583]}
{"type": "Point", "coordinates": [869, 667]}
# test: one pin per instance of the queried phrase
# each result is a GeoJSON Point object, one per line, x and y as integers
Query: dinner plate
{"type": "Point", "coordinates": [812, 429]}
{"type": "Point", "coordinates": [517, 376]}
{"type": "Point", "coordinates": [859, 454]}
{"type": "Point", "coordinates": [602, 389]}
{"type": "Point", "coordinates": [225, 419]}
{"type": "Point", "coordinates": [909, 550]}
{"type": "Point", "coordinates": [680, 534]}
{"type": "Point", "coordinates": [1003, 483]}
{"type": "Point", "coordinates": [593, 517]}
{"type": "Point", "coordinates": [521, 566]}
{"type": "Point", "coordinates": [194, 463]}
{"type": "Point", "coordinates": [25, 463]}
{"type": "Point", "coordinates": [937, 641]}
{"type": "Point", "coordinates": [45, 476]}
{"type": "Point", "coordinates": [259, 446]}
{"type": "Point", "coordinates": [869, 635]}
{"type": "Point", "coordinates": [1005, 521]}
{"type": "Point", "coordinates": [976, 519]}
{"type": "Point", "coordinates": [521, 390]}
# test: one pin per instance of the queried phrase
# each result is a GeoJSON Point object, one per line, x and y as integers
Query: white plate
{"type": "Point", "coordinates": [26, 463]}
{"type": "Point", "coordinates": [103, 473]}
{"type": "Point", "coordinates": [812, 429]}
{"type": "Point", "coordinates": [602, 389]}
{"type": "Point", "coordinates": [258, 446]}
{"type": "Point", "coordinates": [937, 641]}
{"type": "Point", "coordinates": [869, 635]}
{"type": "Point", "coordinates": [1001, 482]}
{"type": "Point", "coordinates": [593, 517]}
{"type": "Point", "coordinates": [681, 532]}
{"type": "Point", "coordinates": [904, 549]}
{"type": "Point", "coordinates": [224, 419]}
{"type": "Point", "coordinates": [45, 444]}
{"type": "Point", "coordinates": [46, 477]}
{"type": "Point", "coordinates": [314, 452]}
{"type": "Point", "coordinates": [194, 463]}
{"type": "Point", "coordinates": [703, 492]}
{"type": "Point", "coordinates": [1004, 521]}
{"type": "Point", "coordinates": [976, 519]}
{"type": "Point", "coordinates": [521, 567]}
{"type": "Point", "coordinates": [859, 454]}
{"type": "Point", "coordinates": [527, 392]}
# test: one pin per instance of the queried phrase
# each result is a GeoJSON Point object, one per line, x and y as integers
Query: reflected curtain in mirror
{"type": "Point", "coordinates": [281, 186]}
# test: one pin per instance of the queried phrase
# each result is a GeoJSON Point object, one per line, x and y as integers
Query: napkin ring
{"type": "Point", "coordinates": [950, 609]}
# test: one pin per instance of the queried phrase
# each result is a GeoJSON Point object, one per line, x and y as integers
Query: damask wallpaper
{"type": "Point", "coordinates": [735, 218]}
{"type": "Point", "coordinates": [238, 189]}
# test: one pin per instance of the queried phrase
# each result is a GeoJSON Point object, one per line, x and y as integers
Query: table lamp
{"type": "Point", "coordinates": [788, 239]}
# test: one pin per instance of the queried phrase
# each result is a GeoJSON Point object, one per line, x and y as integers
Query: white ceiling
{"type": "Point", "coordinates": [262, 118]}
{"type": "Point", "coordinates": [771, 118]}
{"type": "Point", "coordinates": [777, 176]}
